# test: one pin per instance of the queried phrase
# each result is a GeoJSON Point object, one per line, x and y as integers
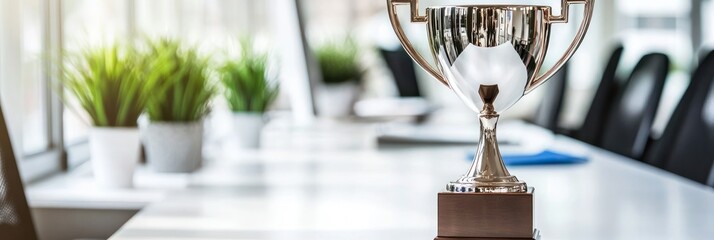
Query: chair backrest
{"type": "Point", "coordinates": [15, 220]}
{"type": "Point", "coordinates": [628, 126]}
{"type": "Point", "coordinates": [550, 107]}
{"type": "Point", "coordinates": [403, 71]}
{"type": "Point", "coordinates": [686, 146]}
{"type": "Point", "coordinates": [591, 130]}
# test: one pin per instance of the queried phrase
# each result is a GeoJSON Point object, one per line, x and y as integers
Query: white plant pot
{"type": "Point", "coordinates": [337, 100]}
{"type": "Point", "coordinates": [174, 147]}
{"type": "Point", "coordinates": [115, 154]}
{"type": "Point", "coordinates": [247, 128]}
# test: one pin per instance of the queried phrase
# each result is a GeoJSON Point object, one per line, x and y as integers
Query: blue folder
{"type": "Point", "coordinates": [546, 157]}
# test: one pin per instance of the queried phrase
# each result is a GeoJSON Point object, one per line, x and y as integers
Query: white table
{"type": "Point", "coordinates": [338, 185]}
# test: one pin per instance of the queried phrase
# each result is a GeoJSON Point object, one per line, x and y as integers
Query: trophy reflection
{"type": "Point", "coordinates": [490, 56]}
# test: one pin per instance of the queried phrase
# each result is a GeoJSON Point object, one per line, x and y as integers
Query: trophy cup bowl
{"type": "Point", "coordinates": [490, 56]}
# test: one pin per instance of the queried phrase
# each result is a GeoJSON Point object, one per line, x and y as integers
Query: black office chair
{"type": "Point", "coordinates": [550, 107]}
{"type": "Point", "coordinates": [629, 122]}
{"type": "Point", "coordinates": [15, 220]}
{"type": "Point", "coordinates": [403, 71]}
{"type": "Point", "coordinates": [591, 130]}
{"type": "Point", "coordinates": [686, 146]}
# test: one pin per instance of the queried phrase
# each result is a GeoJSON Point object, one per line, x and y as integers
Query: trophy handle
{"type": "Point", "coordinates": [397, 26]}
{"type": "Point", "coordinates": [563, 18]}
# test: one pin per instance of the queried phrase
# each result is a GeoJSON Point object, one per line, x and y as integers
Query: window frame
{"type": "Point", "coordinates": [38, 164]}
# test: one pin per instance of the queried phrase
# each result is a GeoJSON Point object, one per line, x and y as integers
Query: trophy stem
{"type": "Point", "coordinates": [488, 173]}
{"type": "Point", "coordinates": [488, 162]}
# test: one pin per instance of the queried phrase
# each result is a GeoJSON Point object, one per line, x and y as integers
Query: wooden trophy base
{"type": "Point", "coordinates": [485, 216]}
{"type": "Point", "coordinates": [536, 236]}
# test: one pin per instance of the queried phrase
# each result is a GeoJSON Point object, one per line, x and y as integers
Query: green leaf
{"type": "Point", "coordinates": [182, 81]}
{"type": "Point", "coordinates": [104, 82]}
{"type": "Point", "coordinates": [247, 87]}
{"type": "Point", "coordinates": [339, 61]}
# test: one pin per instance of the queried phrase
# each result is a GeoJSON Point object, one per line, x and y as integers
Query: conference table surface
{"type": "Point", "coordinates": [335, 182]}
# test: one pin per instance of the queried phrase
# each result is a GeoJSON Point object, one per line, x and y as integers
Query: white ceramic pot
{"type": "Point", "coordinates": [247, 127]}
{"type": "Point", "coordinates": [174, 146]}
{"type": "Point", "coordinates": [115, 154]}
{"type": "Point", "coordinates": [337, 100]}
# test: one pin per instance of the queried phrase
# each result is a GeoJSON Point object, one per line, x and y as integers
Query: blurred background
{"type": "Point", "coordinates": [35, 29]}
{"type": "Point", "coordinates": [304, 40]}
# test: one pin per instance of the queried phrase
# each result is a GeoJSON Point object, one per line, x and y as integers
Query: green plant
{"type": "Point", "coordinates": [339, 61]}
{"type": "Point", "coordinates": [246, 83]}
{"type": "Point", "coordinates": [185, 77]}
{"type": "Point", "coordinates": [106, 83]}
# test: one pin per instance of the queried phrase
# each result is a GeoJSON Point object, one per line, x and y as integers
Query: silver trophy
{"type": "Point", "coordinates": [490, 56]}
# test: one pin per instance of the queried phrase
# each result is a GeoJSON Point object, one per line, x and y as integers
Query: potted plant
{"type": "Point", "coordinates": [249, 92]}
{"type": "Point", "coordinates": [341, 75]}
{"type": "Point", "coordinates": [106, 84]}
{"type": "Point", "coordinates": [174, 135]}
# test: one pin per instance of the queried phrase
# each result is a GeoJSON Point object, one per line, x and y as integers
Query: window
{"type": "Point", "coordinates": [211, 23]}
{"type": "Point", "coordinates": [27, 101]}
{"type": "Point", "coordinates": [661, 26]}
{"type": "Point", "coordinates": [35, 137]}
{"type": "Point", "coordinates": [707, 24]}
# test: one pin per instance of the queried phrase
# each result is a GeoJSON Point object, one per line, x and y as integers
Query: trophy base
{"type": "Point", "coordinates": [509, 184]}
{"type": "Point", "coordinates": [475, 216]}
{"type": "Point", "coordinates": [536, 236]}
